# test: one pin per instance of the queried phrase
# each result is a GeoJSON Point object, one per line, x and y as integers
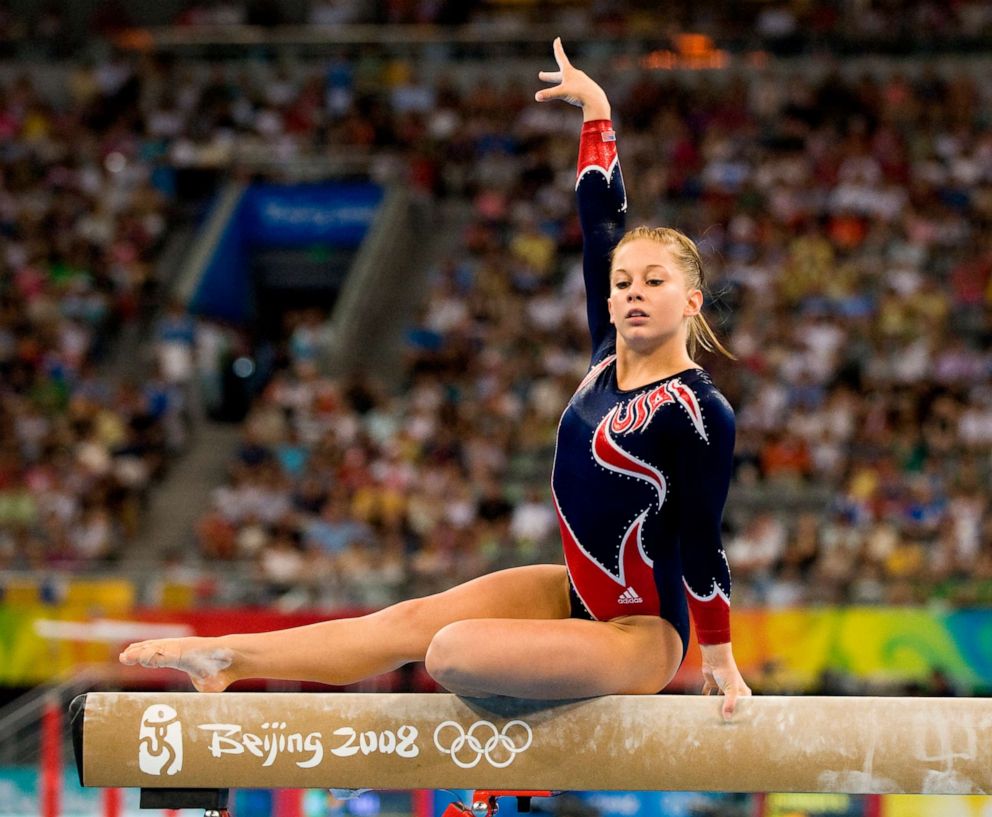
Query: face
{"type": "Point", "coordinates": [649, 300]}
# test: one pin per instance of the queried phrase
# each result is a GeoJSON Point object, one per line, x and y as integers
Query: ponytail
{"type": "Point", "coordinates": [702, 336]}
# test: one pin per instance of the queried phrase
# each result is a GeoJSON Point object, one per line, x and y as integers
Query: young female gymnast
{"type": "Point", "coordinates": [641, 471]}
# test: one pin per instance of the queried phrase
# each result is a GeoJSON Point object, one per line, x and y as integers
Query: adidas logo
{"type": "Point", "coordinates": [629, 596]}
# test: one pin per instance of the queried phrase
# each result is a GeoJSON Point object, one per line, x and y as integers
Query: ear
{"type": "Point", "coordinates": [609, 308]}
{"type": "Point", "coordinates": [694, 303]}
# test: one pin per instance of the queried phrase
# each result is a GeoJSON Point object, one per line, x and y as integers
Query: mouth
{"type": "Point", "coordinates": [636, 313]}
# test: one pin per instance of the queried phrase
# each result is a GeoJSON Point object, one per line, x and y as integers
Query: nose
{"type": "Point", "coordinates": [634, 292]}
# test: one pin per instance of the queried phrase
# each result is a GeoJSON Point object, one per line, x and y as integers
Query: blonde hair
{"type": "Point", "coordinates": [700, 334]}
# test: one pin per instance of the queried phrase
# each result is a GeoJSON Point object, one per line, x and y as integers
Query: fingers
{"type": "Point", "coordinates": [730, 700]}
{"type": "Point", "coordinates": [729, 704]}
{"type": "Point", "coordinates": [573, 86]}
{"type": "Point", "coordinates": [560, 57]}
{"type": "Point", "coordinates": [549, 93]}
{"type": "Point", "coordinates": [563, 64]}
{"type": "Point", "coordinates": [556, 77]}
{"type": "Point", "coordinates": [709, 684]}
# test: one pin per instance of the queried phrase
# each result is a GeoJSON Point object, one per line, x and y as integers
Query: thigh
{"type": "Point", "coordinates": [570, 658]}
{"type": "Point", "coordinates": [529, 592]}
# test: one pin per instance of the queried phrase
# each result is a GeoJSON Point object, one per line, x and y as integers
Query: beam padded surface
{"type": "Point", "coordinates": [407, 741]}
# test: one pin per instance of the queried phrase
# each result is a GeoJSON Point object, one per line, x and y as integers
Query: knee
{"type": "Point", "coordinates": [409, 624]}
{"type": "Point", "coordinates": [403, 616]}
{"type": "Point", "coordinates": [653, 654]}
{"type": "Point", "coordinates": [447, 660]}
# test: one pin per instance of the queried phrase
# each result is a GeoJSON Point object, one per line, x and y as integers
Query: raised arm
{"type": "Point", "coordinates": [705, 475]}
{"type": "Point", "coordinates": [599, 185]}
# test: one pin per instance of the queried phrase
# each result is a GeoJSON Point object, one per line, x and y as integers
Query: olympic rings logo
{"type": "Point", "coordinates": [483, 740]}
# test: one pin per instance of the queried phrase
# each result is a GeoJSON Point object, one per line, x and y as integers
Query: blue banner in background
{"type": "Point", "coordinates": [224, 291]}
{"type": "Point", "coordinates": [299, 215]}
{"type": "Point", "coordinates": [274, 215]}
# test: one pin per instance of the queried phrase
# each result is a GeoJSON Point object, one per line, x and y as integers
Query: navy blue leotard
{"type": "Point", "coordinates": [641, 476]}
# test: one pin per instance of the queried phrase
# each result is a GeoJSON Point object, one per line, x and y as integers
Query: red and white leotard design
{"type": "Point", "coordinates": [640, 478]}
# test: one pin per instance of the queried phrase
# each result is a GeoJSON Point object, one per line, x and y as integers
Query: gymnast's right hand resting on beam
{"type": "Point", "coordinates": [720, 675]}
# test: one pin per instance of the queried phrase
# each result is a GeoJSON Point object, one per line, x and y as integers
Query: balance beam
{"type": "Point", "coordinates": [408, 741]}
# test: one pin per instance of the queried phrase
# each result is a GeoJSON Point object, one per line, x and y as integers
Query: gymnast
{"type": "Point", "coordinates": [641, 472]}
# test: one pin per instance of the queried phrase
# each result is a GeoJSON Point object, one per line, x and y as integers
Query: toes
{"type": "Point", "coordinates": [205, 668]}
{"type": "Point", "coordinates": [130, 657]}
{"type": "Point", "coordinates": [133, 653]}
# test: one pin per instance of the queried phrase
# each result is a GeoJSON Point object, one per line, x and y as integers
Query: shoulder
{"type": "Point", "coordinates": [715, 402]}
{"type": "Point", "coordinates": [708, 412]}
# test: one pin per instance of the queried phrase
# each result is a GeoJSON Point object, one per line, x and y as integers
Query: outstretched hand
{"type": "Point", "coordinates": [573, 86]}
{"type": "Point", "coordinates": [721, 676]}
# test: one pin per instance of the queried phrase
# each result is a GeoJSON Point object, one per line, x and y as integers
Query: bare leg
{"type": "Point", "coordinates": [555, 659]}
{"type": "Point", "coordinates": [347, 650]}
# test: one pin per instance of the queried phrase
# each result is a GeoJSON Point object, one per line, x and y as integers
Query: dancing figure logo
{"type": "Point", "coordinates": [160, 741]}
{"type": "Point", "coordinates": [483, 740]}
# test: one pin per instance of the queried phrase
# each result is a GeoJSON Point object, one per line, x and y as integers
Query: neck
{"type": "Point", "coordinates": [636, 368]}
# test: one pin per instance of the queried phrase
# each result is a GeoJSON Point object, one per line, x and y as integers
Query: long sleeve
{"type": "Point", "coordinates": [602, 205]}
{"type": "Point", "coordinates": [705, 471]}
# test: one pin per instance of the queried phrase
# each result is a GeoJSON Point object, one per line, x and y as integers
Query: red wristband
{"type": "Point", "coordinates": [710, 617]}
{"type": "Point", "coordinates": [597, 146]}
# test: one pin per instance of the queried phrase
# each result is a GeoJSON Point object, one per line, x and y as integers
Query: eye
{"type": "Point", "coordinates": [621, 284]}
{"type": "Point", "coordinates": [655, 282]}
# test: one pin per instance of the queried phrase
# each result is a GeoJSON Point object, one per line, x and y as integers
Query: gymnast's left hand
{"type": "Point", "coordinates": [720, 675]}
{"type": "Point", "coordinates": [574, 86]}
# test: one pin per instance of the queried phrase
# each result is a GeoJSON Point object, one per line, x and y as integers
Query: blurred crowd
{"type": "Point", "coordinates": [83, 217]}
{"type": "Point", "coordinates": [783, 26]}
{"type": "Point", "coordinates": [844, 220]}
{"type": "Point", "coordinates": [80, 229]}
{"type": "Point", "coordinates": [788, 23]}
{"type": "Point", "coordinates": [845, 226]}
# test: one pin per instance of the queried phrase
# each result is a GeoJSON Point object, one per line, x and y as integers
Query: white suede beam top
{"type": "Point", "coordinates": [412, 741]}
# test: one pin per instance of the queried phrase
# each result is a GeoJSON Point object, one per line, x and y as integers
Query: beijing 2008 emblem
{"type": "Point", "coordinates": [160, 741]}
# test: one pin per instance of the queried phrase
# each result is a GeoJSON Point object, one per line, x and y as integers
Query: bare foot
{"type": "Point", "coordinates": [204, 659]}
